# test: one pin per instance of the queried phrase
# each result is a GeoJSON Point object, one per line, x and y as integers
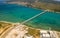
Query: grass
{"type": "Point", "coordinates": [34, 32]}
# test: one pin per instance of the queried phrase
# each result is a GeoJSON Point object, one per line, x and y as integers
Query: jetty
{"type": "Point", "coordinates": [34, 16]}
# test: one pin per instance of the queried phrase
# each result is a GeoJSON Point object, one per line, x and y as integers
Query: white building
{"type": "Point", "coordinates": [44, 34]}
{"type": "Point", "coordinates": [28, 36]}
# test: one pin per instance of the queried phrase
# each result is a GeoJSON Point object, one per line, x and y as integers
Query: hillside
{"type": "Point", "coordinates": [44, 5]}
{"type": "Point", "coordinates": [32, 1]}
{"type": "Point", "coordinates": [41, 4]}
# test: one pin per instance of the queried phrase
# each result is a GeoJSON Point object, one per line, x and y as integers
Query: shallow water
{"type": "Point", "coordinates": [19, 13]}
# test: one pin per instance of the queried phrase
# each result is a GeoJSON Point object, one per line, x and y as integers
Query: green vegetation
{"type": "Point", "coordinates": [34, 32]}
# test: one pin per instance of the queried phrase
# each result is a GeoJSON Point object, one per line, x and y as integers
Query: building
{"type": "Point", "coordinates": [44, 34]}
{"type": "Point", "coordinates": [47, 34]}
{"type": "Point", "coordinates": [28, 36]}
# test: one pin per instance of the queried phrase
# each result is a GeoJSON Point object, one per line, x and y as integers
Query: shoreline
{"type": "Point", "coordinates": [21, 3]}
{"type": "Point", "coordinates": [18, 24]}
{"type": "Point", "coordinates": [24, 25]}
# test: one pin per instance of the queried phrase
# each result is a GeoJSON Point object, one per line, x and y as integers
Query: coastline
{"type": "Point", "coordinates": [31, 5]}
{"type": "Point", "coordinates": [24, 27]}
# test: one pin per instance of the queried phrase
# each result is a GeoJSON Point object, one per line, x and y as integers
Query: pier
{"type": "Point", "coordinates": [34, 16]}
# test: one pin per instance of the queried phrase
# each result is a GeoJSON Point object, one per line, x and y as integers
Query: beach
{"type": "Point", "coordinates": [20, 28]}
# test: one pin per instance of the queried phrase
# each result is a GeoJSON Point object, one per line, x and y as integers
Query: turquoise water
{"type": "Point", "coordinates": [19, 13]}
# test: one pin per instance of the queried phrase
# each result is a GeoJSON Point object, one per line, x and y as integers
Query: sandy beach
{"type": "Point", "coordinates": [22, 28]}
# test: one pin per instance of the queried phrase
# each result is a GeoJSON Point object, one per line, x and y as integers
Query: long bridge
{"type": "Point", "coordinates": [34, 16]}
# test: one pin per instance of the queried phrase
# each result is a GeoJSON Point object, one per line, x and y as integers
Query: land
{"type": "Point", "coordinates": [21, 30]}
{"type": "Point", "coordinates": [46, 4]}
{"type": "Point", "coordinates": [4, 26]}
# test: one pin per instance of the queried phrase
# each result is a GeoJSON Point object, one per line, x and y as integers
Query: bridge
{"type": "Point", "coordinates": [34, 16]}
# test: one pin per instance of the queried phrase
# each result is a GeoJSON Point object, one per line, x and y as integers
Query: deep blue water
{"type": "Point", "coordinates": [19, 13]}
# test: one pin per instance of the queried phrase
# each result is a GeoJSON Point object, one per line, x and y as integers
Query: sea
{"type": "Point", "coordinates": [19, 13]}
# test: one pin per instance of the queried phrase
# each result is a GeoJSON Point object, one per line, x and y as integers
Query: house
{"type": "Point", "coordinates": [28, 36]}
{"type": "Point", "coordinates": [44, 34]}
